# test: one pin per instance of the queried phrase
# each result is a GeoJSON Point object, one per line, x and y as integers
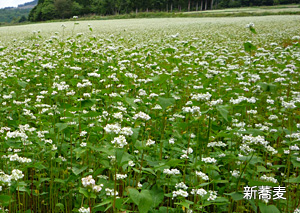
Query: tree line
{"type": "Point", "coordinates": [9, 15]}
{"type": "Point", "coordinates": [60, 9]}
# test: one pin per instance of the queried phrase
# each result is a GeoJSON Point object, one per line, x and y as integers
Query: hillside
{"type": "Point", "coordinates": [28, 5]}
{"type": "Point", "coordinates": [14, 14]}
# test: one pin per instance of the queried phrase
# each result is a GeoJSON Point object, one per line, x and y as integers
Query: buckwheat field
{"type": "Point", "coordinates": [151, 115]}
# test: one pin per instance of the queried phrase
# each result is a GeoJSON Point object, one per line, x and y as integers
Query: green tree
{"type": "Point", "coordinates": [63, 8]}
{"type": "Point", "coordinates": [76, 8]}
{"type": "Point", "coordinates": [22, 19]}
{"type": "Point", "coordinates": [48, 11]}
{"type": "Point", "coordinates": [36, 13]}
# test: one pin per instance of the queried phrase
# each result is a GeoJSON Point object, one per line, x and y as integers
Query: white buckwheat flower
{"type": "Point", "coordinates": [142, 116]}
{"type": "Point", "coordinates": [235, 173]}
{"type": "Point", "coordinates": [181, 186]}
{"type": "Point", "coordinates": [16, 174]}
{"type": "Point", "coordinates": [180, 192]}
{"type": "Point", "coordinates": [269, 179]}
{"type": "Point", "coordinates": [88, 181]}
{"type": "Point", "coordinates": [121, 176]}
{"type": "Point", "coordinates": [171, 172]}
{"type": "Point", "coordinates": [200, 192]}
{"type": "Point", "coordinates": [120, 141]}
{"type": "Point", "coordinates": [202, 175]}
{"type": "Point", "coordinates": [84, 210]}
{"type": "Point", "coordinates": [209, 160]}
{"type": "Point", "coordinates": [112, 128]}
{"type": "Point", "coordinates": [126, 131]}
{"type": "Point", "coordinates": [212, 195]}
{"type": "Point", "coordinates": [150, 142]}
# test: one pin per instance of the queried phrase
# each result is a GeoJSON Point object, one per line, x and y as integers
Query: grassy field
{"type": "Point", "coordinates": [151, 115]}
{"type": "Point", "coordinates": [253, 10]}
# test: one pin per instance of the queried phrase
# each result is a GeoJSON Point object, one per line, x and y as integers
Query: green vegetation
{"type": "Point", "coordinates": [151, 115]}
{"type": "Point", "coordinates": [16, 15]}
{"type": "Point", "coordinates": [13, 15]}
{"type": "Point", "coordinates": [60, 9]}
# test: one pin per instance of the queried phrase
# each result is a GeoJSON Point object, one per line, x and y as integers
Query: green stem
{"type": "Point", "coordinates": [237, 184]}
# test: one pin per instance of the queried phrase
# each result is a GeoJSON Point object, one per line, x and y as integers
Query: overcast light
{"type": "Point", "coordinates": [12, 3]}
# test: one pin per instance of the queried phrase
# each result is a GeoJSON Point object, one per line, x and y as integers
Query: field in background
{"type": "Point", "coordinates": [254, 10]}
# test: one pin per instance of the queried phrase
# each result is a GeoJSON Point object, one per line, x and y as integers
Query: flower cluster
{"type": "Point", "coordinates": [16, 157]}
{"type": "Point", "coordinates": [119, 141]}
{"type": "Point", "coordinates": [209, 160]}
{"type": "Point", "coordinates": [200, 192]}
{"type": "Point", "coordinates": [89, 182]}
{"type": "Point", "coordinates": [84, 210]}
{"type": "Point", "coordinates": [202, 175]}
{"type": "Point", "coordinates": [171, 172]}
{"type": "Point", "coordinates": [269, 179]}
{"type": "Point", "coordinates": [142, 116]}
{"type": "Point", "coordinates": [7, 179]}
{"type": "Point", "coordinates": [180, 192]}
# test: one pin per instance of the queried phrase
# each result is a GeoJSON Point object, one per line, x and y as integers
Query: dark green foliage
{"type": "Point", "coordinates": [63, 8]}
{"type": "Point", "coordinates": [9, 15]}
{"type": "Point", "coordinates": [68, 8]}
{"type": "Point", "coordinates": [22, 19]}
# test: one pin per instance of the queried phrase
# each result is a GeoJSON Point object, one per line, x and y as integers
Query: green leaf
{"type": "Point", "coordinates": [267, 87]}
{"type": "Point", "coordinates": [61, 126]}
{"type": "Point", "coordinates": [219, 181]}
{"type": "Point", "coordinates": [87, 103]}
{"type": "Point", "coordinates": [184, 204]}
{"type": "Point", "coordinates": [254, 160]}
{"type": "Point", "coordinates": [104, 203]}
{"type": "Point", "coordinates": [252, 30]}
{"type": "Point", "coordinates": [160, 79]}
{"type": "Point", "coordinates": [119, 155]}
{"type": "Point", "coordinates": [262, 169]}
{"type": "Point", "coordinates": [58, 180]}
{"type": "Point", "coordinates": [84, 192]}
{"type": "Point", "coordinates": [79, 151]}
{"type": "Point", "coordinates": [157, 194]}
{"type": "Point", "coordinates": [130, 101]}
{"type": "Point", "coordinates": [61, 206]}
{"type": "Point", "coordinates": [293, 180]}
{"type": "Point", "coordinates": [143, 199]}
{"type": "Point", "coordinates": [223, 112]}
{"type": "Point", "coordinates": [166, 102]}
{"type": "Point", "coordinates": [119, 203]}
{"type": "Point", "coordinates": [122, 156]}
{"type": "Point", "coordinates": [77, 171]}
{"type": "Point", "coordinates": [249, 47]}
{"type": "Point", "coordinates": [149, 171]}
{"type": "Point", "coordinates": [134, 195]}
{"type": "Point", "coordinates": [39, 166]}
{"type": "Point", "coordinates": [135, 134]}
{"type": "Point", "coordinates": [146, 201]}
{"type": "Point", "coordinates": [163, 209]}
{"type": "Point", "coordinates": [173, 162]}
{"type": "Point", "coordinates": [91, 114]}
{"type": "Point", "coordinates": [236, 196]}
{"type": "Point", "coordinates": [4, 198]}
{"type": "Point", "coordinates": [22, 83]}
{"type": "Point", "coordinates": [295, 162]}
{"type": "Point", "coordinates": [204, 184]}
{"type": "Point", "coordinates": [267, 209]}
{"type": "Point", "coordinates": [168, 50]}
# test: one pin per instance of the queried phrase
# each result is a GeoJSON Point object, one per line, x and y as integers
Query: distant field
{"type": "Point", "coordinates": [156, 26]}
{"type": "Point", "coordinates": [262, 9]}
